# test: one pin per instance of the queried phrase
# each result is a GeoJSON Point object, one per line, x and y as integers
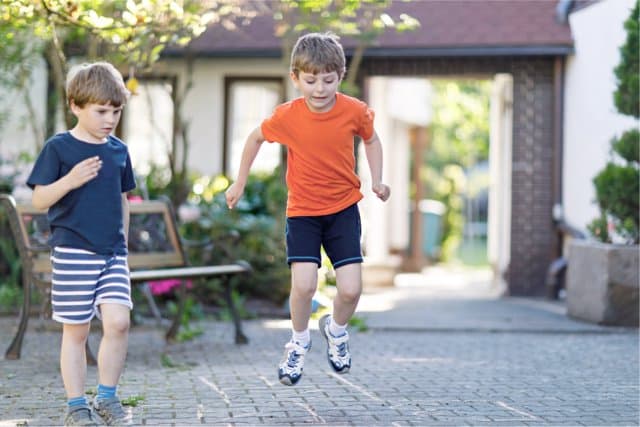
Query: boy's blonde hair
{"type": "Point", "coordinates": [96, 83]}
{"type": "Point", "coordinates": [318, 53]}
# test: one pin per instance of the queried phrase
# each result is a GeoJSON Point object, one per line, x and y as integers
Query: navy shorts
{"type": "Point", "coordinates": [338, 233]}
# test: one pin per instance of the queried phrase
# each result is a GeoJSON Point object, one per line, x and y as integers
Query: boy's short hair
{"type": "Point", "coordinates": [318, 53]}
{"type": "Point", "coordinates": [96, 83]}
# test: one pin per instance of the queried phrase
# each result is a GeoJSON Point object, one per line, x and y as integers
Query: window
{"type": "Point", "coordinates": [248, 101]}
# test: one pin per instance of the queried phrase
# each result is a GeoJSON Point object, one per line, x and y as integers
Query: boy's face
{"type": "Point", "coordinates": [319, 90]}
{"type": "Point", "coordinates": [96, 121]}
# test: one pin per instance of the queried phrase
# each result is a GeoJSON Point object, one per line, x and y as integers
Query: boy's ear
{"type": "Point", "coordinates": [73, 107]}
{"type": "Point", "coordinates": [294, 79]}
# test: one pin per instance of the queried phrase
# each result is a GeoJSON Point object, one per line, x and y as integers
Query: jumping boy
{"type": "Point", "coordinates": [82, 177]}
{"type": "Point", "coordinates": [318, 130]}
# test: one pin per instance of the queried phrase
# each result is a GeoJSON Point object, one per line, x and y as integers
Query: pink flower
{"type": "Point", "coordinates": [161, 287]}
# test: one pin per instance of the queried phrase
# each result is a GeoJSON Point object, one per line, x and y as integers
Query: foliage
{"type": "Point", "coordinates": [133, 401]}
{"type": "Point", "coordinates": [19, 54]}
{"type": "Point", "coordinates": [448, 186]}
{"type": "Point", "coordinates": [460, 126]}
{"type": "Point", "coordinates": [131, 33]}
{"type": "Point", "coordinates": [627, 72]}
{"type": "Point", "coordinates": [359, 323]}
{"type": "Point", "coordinates": [192, 311]}
{"type": "Point", "coordinates": [459, 140]}
{"type": "Point", "coordinates": [617, 189]}
{"type": "Point", "coordinates": [167, 362]}
{"type": "Point", "coordinates": [618, 184]}
{"type": "Point", "coordinates": [253, 232]}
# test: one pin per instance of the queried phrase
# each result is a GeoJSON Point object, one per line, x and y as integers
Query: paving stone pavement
{"type": "Point", "coordinates": [429, 358]}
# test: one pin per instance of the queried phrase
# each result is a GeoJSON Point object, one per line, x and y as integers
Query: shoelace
{"type": "Point", "coordinates": [342, 350]}
{"type": "Point", "coordinates": [294, 355]}
{"type": "Point", "coordinates": [339, 343]}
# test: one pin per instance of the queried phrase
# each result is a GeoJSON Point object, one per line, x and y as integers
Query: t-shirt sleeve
{"type": "Point", "coordinates": [128, 179]}
{"type": "Point", "coordinates": [273, 127]}
{"type": "Point", "coordinates": [365, 128]}
{"type": "Point", "coordinates": [46, 169]}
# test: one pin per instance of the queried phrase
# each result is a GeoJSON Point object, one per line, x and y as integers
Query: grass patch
{"type": "Point", "coordinates": [133, 401]}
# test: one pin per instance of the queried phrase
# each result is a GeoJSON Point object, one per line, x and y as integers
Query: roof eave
{"type": "Point", "coordinates": [472, 51]}
{"type": "Point", "coordinates": [394, 52]}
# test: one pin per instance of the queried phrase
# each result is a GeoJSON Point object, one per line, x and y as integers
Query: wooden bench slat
{"type": "Point", "coordinates": [187, 272]}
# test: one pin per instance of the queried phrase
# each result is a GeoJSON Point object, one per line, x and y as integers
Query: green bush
{"type": "Point", "coordinates": [627, 71]}
{"type": "Point", "coordinates": [253, 232]}
{"type": "Point", "coordinates": [617, 186]}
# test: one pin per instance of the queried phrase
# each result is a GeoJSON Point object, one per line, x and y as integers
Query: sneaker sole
{"type": "Point", "coordinates": [321, 323]}
{"type": "Point", "coordinates": [287, 381]}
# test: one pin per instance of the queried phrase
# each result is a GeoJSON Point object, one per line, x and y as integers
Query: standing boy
{"type": "Point", "coordinates": [318, 130]}
{"type": "Point", "coordinates": [82, 177]}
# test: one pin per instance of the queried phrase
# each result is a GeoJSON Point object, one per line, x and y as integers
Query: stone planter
{"type": "Point", "coordinates": [602, 283]}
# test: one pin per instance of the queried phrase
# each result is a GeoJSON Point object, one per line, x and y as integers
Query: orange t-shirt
{"type": "Point", "coordinates": [321, 174]}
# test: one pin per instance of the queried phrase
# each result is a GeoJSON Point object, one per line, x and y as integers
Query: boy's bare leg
{"type": "Point", "coordinates": [73, 358]}
{"type": "Point", "coordinates": [304, 281]}
{"type": "Point", "coordinates": [113, 346]}
{"type": "Point", "coordinates": [349, 284]}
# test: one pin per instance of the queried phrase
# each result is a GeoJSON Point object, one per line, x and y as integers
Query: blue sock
{"type": "Point", "coordinates": [105, 392]}
{"type": "Point", "coordinates": [77, 401]}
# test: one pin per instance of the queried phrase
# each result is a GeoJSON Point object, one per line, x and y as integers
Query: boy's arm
{"type": "Point", "coordinates": [44, 196]}
{"type": "Point", "coordinates": [373, 150]}
{"type": "Point", "coordinates": [249, 153]}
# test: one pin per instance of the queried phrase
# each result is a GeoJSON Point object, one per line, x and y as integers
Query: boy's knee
{"type": "Point", "coordinates": [116, 325]}
{"type": "Point", "coordinates": [349, 295]}
{"type": "Point", "coordinates": [305, 290]}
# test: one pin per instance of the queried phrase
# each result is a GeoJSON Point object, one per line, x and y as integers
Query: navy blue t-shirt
{"type": "Point", "coordinates": [89, 217]}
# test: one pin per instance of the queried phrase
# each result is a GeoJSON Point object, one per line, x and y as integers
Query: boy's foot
{"type": "Point", "coordinates": [290, 369]}
{"type": "Point", "coordinates": [337, 347]}
{"type": "Point", "coordinates": [112, 412]}
{"type": "Point", "coordinates": [80, 416]}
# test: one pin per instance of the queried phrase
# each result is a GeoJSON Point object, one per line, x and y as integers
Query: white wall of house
{"type": "Point", "coordinates": [204, 104]}
{"type": "Point", "coordinates": [23, 129]}
{"type": "Point", "coordinates": [590, 117]}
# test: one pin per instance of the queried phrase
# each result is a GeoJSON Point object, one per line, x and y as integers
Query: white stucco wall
{"type": "Point", "coordinates": [204, 105]}
{"type": "Point", "coordinates": [17, 134]}
{"type": "Point", "coordinates": [590, 117]}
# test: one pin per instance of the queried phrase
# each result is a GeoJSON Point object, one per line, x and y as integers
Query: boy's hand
{"type": "Point", "coordinates": [84, 171]}
{"type": "Point", "coordinates": [233, 194]}
{"type": "Point", "coordinates": [382, 191]}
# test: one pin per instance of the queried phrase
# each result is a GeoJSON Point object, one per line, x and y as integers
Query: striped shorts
{"type": "Point", "coordinates": [82, 280]}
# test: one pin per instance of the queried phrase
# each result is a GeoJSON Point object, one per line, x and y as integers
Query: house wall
{"type": "Point", "coordinates": [17, 135]}
{"type": "Point", "coordinates": [590, 117]}
{"type": "Point", "coordinates": [203, 108]}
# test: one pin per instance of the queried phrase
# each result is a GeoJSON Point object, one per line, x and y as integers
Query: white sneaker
{"type": "Point", "coordinates": [290, 369]}
{"type": "Point", "coordinates": [337, 347]}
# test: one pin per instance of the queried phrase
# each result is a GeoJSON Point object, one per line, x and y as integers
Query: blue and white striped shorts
{"type": "Point", "coordinates": [82, 280]}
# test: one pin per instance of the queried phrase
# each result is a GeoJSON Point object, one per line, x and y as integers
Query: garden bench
{"type": "Point", "coordinates": [156, 252]}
